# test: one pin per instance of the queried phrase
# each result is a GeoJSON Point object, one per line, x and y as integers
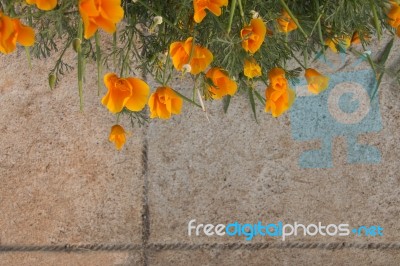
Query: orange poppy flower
{"type": "Point", "coordinates": [117, 136]}
{"type": "Point", "coordinates": [277, 79]}
{"type": "Point", "coordinates": [222, 84]}
{"type": "Point", "coordinates": [278, 102]}
{"type": "Point", "coordinates": [286, 23]}
{"type": "Point", "coordinates": [131, 93]}
{"type": "Point", "coordinates": [180, 53]}
{"type": "Point", "coordinates": [394, 15]}
{"type": "Point", "coordinates": [100, 13]}
{"type": "Point", "coordinates": [200, 7]}
{"type": "Point", "coordinates": [164, 102]}
{"type": "Point", "coordinates": [343, 42]}
{"type": "Point", "coordinates": [43, 4]}
{"type": "Point", "coordinates": [316, 81]}
{"type": "Point", "coordinates": [13, 31]}
{"type": "Point", "coordinates": [253, 35]}
{"type": "Point", "coordinates": [251, 68]}
{"type": "Point", "coordinates": [279, 95]}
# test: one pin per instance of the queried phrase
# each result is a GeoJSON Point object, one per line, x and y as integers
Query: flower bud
{"type": "Point", "coordinates": [76, 44]}
{"type": "Point", "coordinates": [52, 80]}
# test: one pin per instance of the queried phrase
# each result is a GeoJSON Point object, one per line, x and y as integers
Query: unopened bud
{"type": "Point", "coordinates": [254, 14]}
{"type": "Point", "coordinates": [52, 80]}
{"type": "Point", "coordinates": [76, 44]}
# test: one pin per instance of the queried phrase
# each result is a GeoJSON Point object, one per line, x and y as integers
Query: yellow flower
{"type": "Point", "coordinates": [251, 68]}
{"type": "Point", "coordinates": [286, 23]}
{"type": "Point", "coordinates": [343, 42]}
{"type": "Point", "coordinates": [200, 7]}
{"type": "Point", "coordinates": [180, 53]}
{"type": "Point", "coordinates": [118, 136]}
{"type": "Point", "coordinates": [13, 31]}
{"type": "Point", "coordinates": [131, 93]}
{"type": "Point", "coordinates": [164, 102]}
{"type": "Point", "coordinates": [253, 35]}
{"type": "Point", "coordinates": [316, 81]}
{"type": "Point", "coordinates": [100, 13]}
{"type": "Point", "coordinates": [394, 15]}
{"type": "Point", "coordinates": [222, 84]}
{"type": "Point", "coordinates": [279, 95]}
{"type": "Point", "coordinates": [43, 4]}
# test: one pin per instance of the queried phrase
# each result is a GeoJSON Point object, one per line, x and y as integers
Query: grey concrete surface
{"type": "Point", "coordinates": [62, 182]}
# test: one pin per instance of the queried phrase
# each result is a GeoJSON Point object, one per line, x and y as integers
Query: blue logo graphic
{"type": "Point", "coordinates": [344, 109]}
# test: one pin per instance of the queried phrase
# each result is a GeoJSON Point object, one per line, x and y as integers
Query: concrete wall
{"type": "Point", "coordinates": [63, 182]}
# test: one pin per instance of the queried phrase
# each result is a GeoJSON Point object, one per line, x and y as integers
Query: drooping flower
{"type": "Point", "coordinates": [394, 15]}
{"type": "Point", "coordinates": [316, 81]}
{"type": "Point", "coordinates": [181, 53]}
{"type": "Point", "coordinates": [251, 68]}
{"type": "Point", "coordinates": [355, 39]}
{"type": "Point", "coordinates": [253, 35]}
{"type": "Point", "coordinates": [13, 31]}
{"type": "Point", "coordinates": [131, 93]}
{"type": "Point", "coordinates": [222, 84]}
{"type": "Point", "coordinates": [200, 7]}
{"type": "Point", "coordinates": [43, 4]}
{"type": "Point", "coordinates": [279, 96]}
{"type": "Point", "coordinates": [117, 136]}
{"type": "Point", "coordinates": [286, 23]}
{"type": "Point", "coordinates": [344, 42]}
{"type": "Point", "coordinates": [164, 102]}
{"type": "Point", "coordinates": [103, 14]}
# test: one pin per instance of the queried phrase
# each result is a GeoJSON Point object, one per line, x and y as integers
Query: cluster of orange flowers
{"type": "Point", "coordinates": [187, 56]}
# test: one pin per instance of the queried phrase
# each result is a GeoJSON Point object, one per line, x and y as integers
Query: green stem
{"type": "Point", "coordinates": [305, 53]}
{"type": "Point", "coordinates": [285, 6]}
{"type": "Point", "coordinates": [115, 50]}
{"type": "Point", "coordinates": [80, 67]}
{"type": "Point", "coordinates": [233, 8]}
{"type": "Point", "coordinates": [321, 37]}
{"type": "Point", "coordinates": [187, 99]}
{"type": "Point", "coordinates": [126, 55]}
{"type": "Point", "coordinates": [241, 12]}
{"type": "Point", "coordinates": [376, 19]}
{"type": "Point", "coordinates": [98, 61]}
{"type": "Point", "coordinates": [158, 14]}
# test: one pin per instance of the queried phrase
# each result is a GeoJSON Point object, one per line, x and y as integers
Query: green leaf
{"type": "Point", "coordinates": [252, 102]}
{"type": "Point", "coordinates": [226, 101]}
{"type": "Point", "coordinates": [382, 61]}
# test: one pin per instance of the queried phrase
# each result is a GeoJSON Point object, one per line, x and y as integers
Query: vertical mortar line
{"type": "Point", "coordinates": [145, 205]}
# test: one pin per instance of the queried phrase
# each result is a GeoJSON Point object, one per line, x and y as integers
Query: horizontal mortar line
{"type": "Point", "coordinates": [186, 247]}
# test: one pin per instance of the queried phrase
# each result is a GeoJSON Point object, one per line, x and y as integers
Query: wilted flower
{"type": "Point", "coordinates": [253, 35]}
{"type": "Point", "coordinates": [394, 15]}
{"type": "Point", "coordinates": [286, 23]}
{"type": "Point", "coordinates": [43, 4]}
{"type": "Point", "coordinates": [13, 31]}
{"type": "Point", "coordinates": [343, 42]}
{"type": "Point", "coordinates": [316, 81]}
{"type": "Point", "coordinates": [251, 68]}
{"type": "Point", "coordinates": [164, 102]}
{"type": "Point", "coordinates": [117, 136]}
{"type": "Point", "coordinates": [131, 93]}
{"type": "Point", "coordinates": [100, 13]}
{"type": "Point", "coordinates": [181, 53]}
{"type": "Point", "coordinates": [200, 7]}
{"type": "Point", "coordinates": [222, 85]}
